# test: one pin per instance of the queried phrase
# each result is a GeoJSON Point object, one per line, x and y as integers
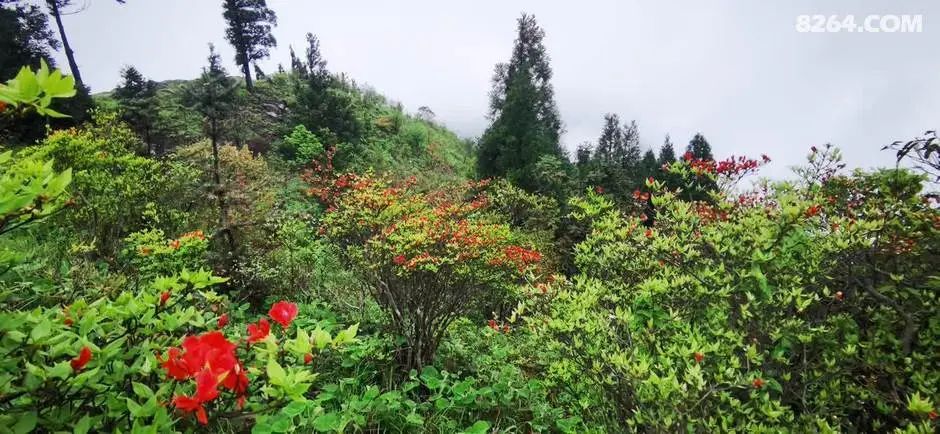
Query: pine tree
{"type": "Point", "coordinates": [611, 139]}
{"type": "Point", "coordinates": [700, 148]}
{"type": "Point", "coordinates": [325, 103]}
{"type": "Point", "coordinates": [136, 95]}
{"type": "Point", "coordinates": [649, 164]}
{"type": "Point", "coordinates": [213, 95]}
{"type": "Point", "coordinates": [249, 31]}
{"type": "Point", "coordinates": [667, 154]}
{"type": "Point", "coordinates": [525, 122]}
{"type": "Point", "coordinates": [25, 38]}
{"type": "Point", "coordinates": [629, 153]}
{"type": "Point", "coordinates": [259, 74]}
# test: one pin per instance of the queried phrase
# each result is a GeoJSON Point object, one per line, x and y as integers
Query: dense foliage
{"type": "Point", "coordinates": [302, 255]}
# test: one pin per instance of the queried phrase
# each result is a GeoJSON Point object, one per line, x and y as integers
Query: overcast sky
{"type": "Point", "coordinates": [738, 71]}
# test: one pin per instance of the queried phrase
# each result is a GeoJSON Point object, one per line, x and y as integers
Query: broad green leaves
{"type": "Point", "coordinates": [37, 89]}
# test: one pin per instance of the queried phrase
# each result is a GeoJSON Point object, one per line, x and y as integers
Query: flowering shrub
{"type": "Point", "coordinates": [428, 256]}
{"type": "Point", "coordinates": [765, 314]}
{"type": "Point", "coordinates": [153, 255]}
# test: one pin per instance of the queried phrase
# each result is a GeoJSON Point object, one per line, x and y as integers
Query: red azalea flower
{"type": "Point", "coordinates": [649, 233]}
{"type": "Point", "coordinates": [505, 328]}
{"type": "Point", "coordinates": [758, 383]}
{"type": "Point", "coordinates": [687, 156]}
{"type": "Point", "coordinates": [257, 332]}
{"type": "Point", "coordinates": [812, 211]}
{"type": "Point", "coordinates": [174, 364]}
{"type": "Point", "coordinates": [222, 321]}
{"type": "Point", "coordinates": [699, 357]}
{"type": "Point", "coordinates": [164, 296]}
{"type": "Point", "coordinates": [932, 415]}
{"type": "Point", "coordinates": [84, 356]}
{"type": "Point", "coordinates": [492, 324]}
{"type": "Point", "coordinates": [68, 322]}
{"type": "Point", "coordinates": [308, 358]}
{"type": "Point", "coordinates": [283, 312]}
{"type": "Point", "coordinates": [207, 385]}
{"type": "Point", "coordinates": [400, 260]}
{"type": "Point", "coordinates": [189, 405]}
{"type": "Point", "coordinates": [599, 189]}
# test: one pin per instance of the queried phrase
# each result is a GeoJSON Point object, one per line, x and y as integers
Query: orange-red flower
{"type": "Point", "coordinates": [699, 357]}
{"type": "Point", "coordinates": [400, 260]}
{"type": "Point", "coordinates": [758, 383]}
{"type": "Point", "coordinates": [812, 210]}
{"type": "Point", "coordinates": [84, 356]}
{"type": "Point", "coordinates": [259, 331]}
{"type": "Point", "coordinates": [222, 321]}
{"type": "Point", "coordinates": [189, 404]}
{"type": "Point", "coordinates": [283, 312]}
{"type": "Point", "coordinates": [164, 296]}
{"type": "Point", "coordinates": [308, 358]}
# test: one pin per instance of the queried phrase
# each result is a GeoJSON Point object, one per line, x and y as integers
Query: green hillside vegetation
{"type": "Point", "coordinates": [293, 252]}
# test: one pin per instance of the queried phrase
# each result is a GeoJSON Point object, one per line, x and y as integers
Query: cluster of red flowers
{"type": "Point", "coordinates": [196, 234]}
{"type": "Point", "coordinates": [209, 359]}
{"type": "Point", "coordinates": [812, 211]}
{"type": "Point", "coordinates": [641, 196]}
{"type": "Point", "coordinates": [709, 213]}
{"type": "Point", "coordinates": [493, 325]}
{"type": "Point", "coordinates": [518, 256]}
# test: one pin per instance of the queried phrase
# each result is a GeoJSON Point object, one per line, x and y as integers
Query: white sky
{"type": "Point", "coordinates": [738, 71]}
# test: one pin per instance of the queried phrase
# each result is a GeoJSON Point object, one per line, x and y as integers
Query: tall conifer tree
{"type": "Point", "coordinates": [249, 31]}
{"type": "Point", "coordinates": [525, 121]}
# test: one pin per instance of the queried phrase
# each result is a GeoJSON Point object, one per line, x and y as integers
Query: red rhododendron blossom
{"type": "Point", "coordinates": [222, 321]}
{"type": "Point", "coordinates": [84, 356]}
{"type": "Point", "coordinates": [174, 365]}
{"type": "Point", "coordinates": [283, 312]}
{"type": "Point", "coordinates": [164, 296]}
{"type": "Point", "coordinates": [189, 405]}
{"type": "Point", "coordinates": [699, 357]}
{"type": "Point", "coordinates": [257, 332]}
{"type": "Point", "coordinates": [812, 210]}
{"type": "Point", "coordinates": [758, 383]}
{"type": "Point", "coordinates": [492, 324]}
{"type": "Point", "coordinates": [649, 233]}
{"type": "Point", "coordinates": [308, 358]}
{"type": "Point", "coordinates": [400, 260]}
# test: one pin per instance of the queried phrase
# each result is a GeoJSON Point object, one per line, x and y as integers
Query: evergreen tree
{"type": "Point", "coordinates": [667, 154]}
{"type": "Point", "coordinates": [628, 154]}
{"type": "Point", "coordinates": [213, 95]}
{"type": "Point", "coordinates": [259, 74]}
{"type": "Point", "coordinates": [525, 122]}
{"type": "Point", "coordinates": [249, 31]}
{"type": "Point", "coordinates": [649, 164]}
{"type": "Point", "coordinates": [701, 186]}
{"type": "Point", "coordinates": [136, 96]}
{"type": "Point", "coordinates": [25, 38]}
{"type": "Point", "coordinates": [325, 104]}
{"type": "Point", "coordinates": [611, 139]}
{"type": "Point", "coordinates": [700, 148]}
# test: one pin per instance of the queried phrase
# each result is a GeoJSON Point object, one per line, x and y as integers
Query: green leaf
{"type": "Point", "coordinates": [26, 423]}
{"type": "Point", "coordinates": [83, 425]}
{"type": "Point", "coordinates": [276, 373]}
{"type": "Point", "coordinates": [326, 422]}
{"type": "Point", "coordinates": [479, 427]}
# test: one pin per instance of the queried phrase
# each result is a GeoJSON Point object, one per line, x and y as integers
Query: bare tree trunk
{"type": "Point", "coordinates": [245, 70]}
{"type": "Point", "coordinates": [73, 66]}
{"type": "Point", "coordinates": [225, 229]}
